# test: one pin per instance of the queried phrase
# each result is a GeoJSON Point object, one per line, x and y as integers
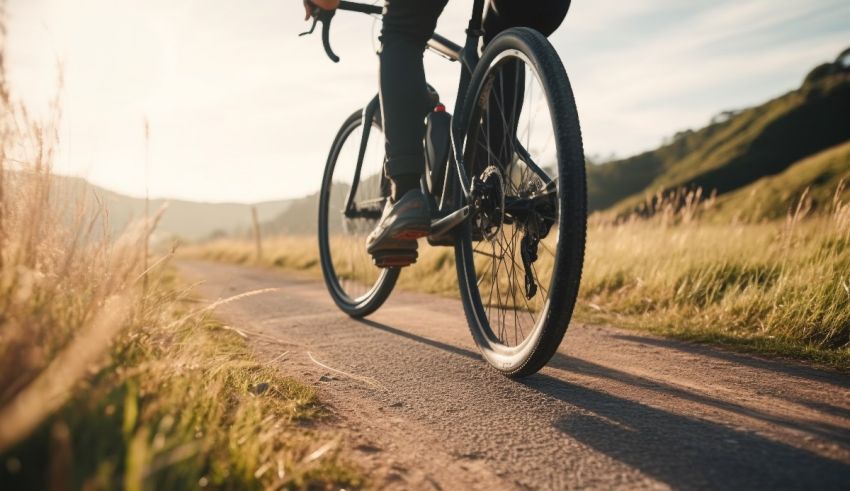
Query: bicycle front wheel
{"type": "Point", "coordinates": [355, 284]}
{"type": "Point", "coordinates": [519, 257]}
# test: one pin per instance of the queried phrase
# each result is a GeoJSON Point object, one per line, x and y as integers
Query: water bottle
{"type": "Point", "coordinates": [437, 145]}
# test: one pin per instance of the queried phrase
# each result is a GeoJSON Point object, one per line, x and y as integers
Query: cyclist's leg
{"type": "Point", "coordinates": [543, 15]}
{"type": "Point", "coordinates": [506, 105]}
{"type": "Point", "coordinates": [407, 26]}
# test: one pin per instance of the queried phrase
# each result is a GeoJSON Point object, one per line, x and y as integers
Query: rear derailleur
{"type": "Point", "coordinates": [536, 223]}
{"type": "Point", "coordinates": [532, 212]}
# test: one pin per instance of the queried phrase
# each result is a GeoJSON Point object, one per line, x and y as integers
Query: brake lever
{"type": "Point", "coordinates": [325, 17]}
{"type": "Point", "coordinates": [315, 16]}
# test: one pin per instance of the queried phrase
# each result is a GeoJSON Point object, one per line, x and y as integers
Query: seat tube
{"type": "Point", "coordinates": [468, 61]}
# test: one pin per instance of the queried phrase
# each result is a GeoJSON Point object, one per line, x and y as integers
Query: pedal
{"type": "Point", "coordinates": [440, 238]}
{"type": "Point", "coordinates": [446, 240]}
{"type": "Point", "coordinates": [395, 258]}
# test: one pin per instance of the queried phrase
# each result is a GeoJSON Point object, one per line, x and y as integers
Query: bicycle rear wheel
{"type": "Point", "coordinates": [355, 284]}
{"type": "Point", "coordinates": [519, 256]}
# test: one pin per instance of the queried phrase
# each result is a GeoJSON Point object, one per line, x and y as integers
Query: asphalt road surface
{"type": "Point", "coordinates": [419, 408]}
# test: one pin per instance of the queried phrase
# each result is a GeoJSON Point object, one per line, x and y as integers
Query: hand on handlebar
{"type": "Point", "coordinates": [322, 11]}
{"type": "Point", "coordinates": [311, 5]}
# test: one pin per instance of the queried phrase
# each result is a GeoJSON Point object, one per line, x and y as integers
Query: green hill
{"type": "Point", "coordinates": [773, 196]}
{"type": "Point", "coordinates": [737, 148]}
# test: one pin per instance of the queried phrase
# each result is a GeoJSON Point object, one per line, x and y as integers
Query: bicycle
{"type": "Point", "coordinates": [512, 205]}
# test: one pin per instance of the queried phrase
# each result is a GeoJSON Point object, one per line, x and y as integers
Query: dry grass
{"type": "Point", "coordinates": [110, 376]}
{"type": "Point", "coordinates": [779, 287]}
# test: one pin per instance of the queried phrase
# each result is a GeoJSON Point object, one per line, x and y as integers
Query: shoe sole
{"type": "Point", "coordinates": [399, 258]}
{"type": "Point", "coordinates": [403, 257]}
{"type": "Point", "coordinates": [411, 234]}
{"type": "Point", "coordinates": [395, 258]}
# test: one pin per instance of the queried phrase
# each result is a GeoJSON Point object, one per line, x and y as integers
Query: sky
{"type": "Point", "coordinates": [242, 109]}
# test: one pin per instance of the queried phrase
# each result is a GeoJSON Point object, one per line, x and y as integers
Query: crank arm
{"type": "Point", "coordinates": [442, 226]}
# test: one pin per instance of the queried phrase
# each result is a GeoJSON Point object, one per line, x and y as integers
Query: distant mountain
{"type": "Point", "coordinates": [737, 148]}
{"type": "Point", "coordinates": [301, 217]}
{"type": "Point", "coordinates": [189, 220]}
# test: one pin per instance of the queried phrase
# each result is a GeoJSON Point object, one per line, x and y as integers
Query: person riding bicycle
{"type": "Point", "coordinates": [407, 26]}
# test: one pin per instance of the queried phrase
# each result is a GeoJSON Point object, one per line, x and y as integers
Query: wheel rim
{"type": "Point", "coordinates": [512, 293]}
{"type": "Point", "coordinates": [353, 276]}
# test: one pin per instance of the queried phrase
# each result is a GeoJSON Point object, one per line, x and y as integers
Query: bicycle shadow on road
{"type": "Point", "coordinates": [681, 450]}
{"type": "Point", "coordinates": [684, 450]}
{"type": "Point", "coordinates": [824, 430]}
{"type": "Point", "coordinates": [793, 369]}
{"type": "Point", "coordinates": [837, 380]}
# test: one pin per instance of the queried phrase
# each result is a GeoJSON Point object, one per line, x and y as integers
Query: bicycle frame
{"type": "Point", "coordinates": [486, 195]}
{"type": "Point", "coordinates": [468, 57]}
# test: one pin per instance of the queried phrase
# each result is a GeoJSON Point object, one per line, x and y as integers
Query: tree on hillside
{"type": "Point", "coordinates": [841, 64]}
{"type": "Point", "coordinates": [843, 60]}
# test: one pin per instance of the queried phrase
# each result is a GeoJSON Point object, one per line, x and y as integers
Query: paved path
{"type": "Point", "coordinates": [614, 409]}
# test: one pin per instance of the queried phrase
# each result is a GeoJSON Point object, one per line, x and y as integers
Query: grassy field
{"type": "Point", "coordinates": [111, 376]}
{"type": "Point", "coordinates": [777, 287]}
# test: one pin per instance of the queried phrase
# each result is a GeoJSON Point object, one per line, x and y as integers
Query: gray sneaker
{"type": "Point", "coordinates": [393, 242]}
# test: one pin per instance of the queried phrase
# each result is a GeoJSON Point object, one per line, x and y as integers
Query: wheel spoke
{"type": "Point", "coordinates": [486, 254]}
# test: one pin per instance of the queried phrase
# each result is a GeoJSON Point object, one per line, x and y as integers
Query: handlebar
{"type": "Point", "coordinates": [325, 17]}
{"type": "Point", "coordinates": [361, 7]}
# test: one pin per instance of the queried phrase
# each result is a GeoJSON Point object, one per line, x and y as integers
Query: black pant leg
{"type": "Point", "coordinates": [506, 102]}
{"type": "Point", "coordinates": [407, 26]}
